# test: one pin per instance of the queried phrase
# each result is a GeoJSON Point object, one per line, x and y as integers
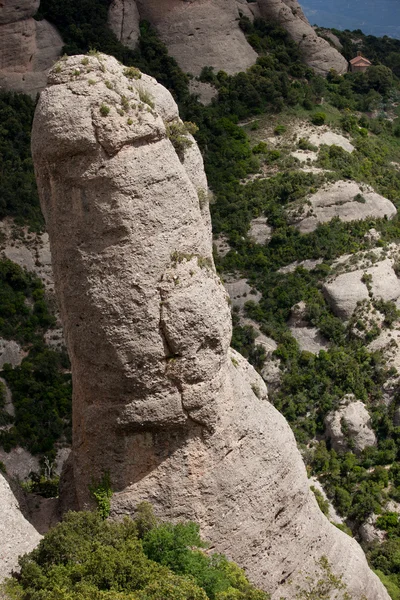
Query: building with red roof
{"type": "Point", "coordinates": [359, 64]}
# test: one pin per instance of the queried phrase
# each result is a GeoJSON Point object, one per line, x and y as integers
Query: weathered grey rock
{"type": "Point", "coordinates": [317, 52]}
{"type": "Point", "coordinates": [19, 462]}
{"type": "Point", "coordinates": [260, 231]}
{"type": "Point", "coordinates": [350, 424]}
{"type": "Point", "coordinates": [339, 200]}
{"type": "Point", "coordinates": [11, 353]}
{"type": "Point", "coordinates": [17, 10]}
{"type": "Point", "coordinates": [241, 292]}
{"type": "Point", "coordinates": [346, 290]}
{"type": "Point", "coordinates": [201, 33]}
{"type": "Point", "coordinates": [308, 264]}
{"type": "Point", "coordinates": [123, 20]}
{"type": "Point", "coordinates": [159, 400]}
{"type": "Point", "coordinates": [28, 48]}
{"type": "Point", "coordinates": [17, 536]}
{"type": "Point", "coordinates": [369, 533]}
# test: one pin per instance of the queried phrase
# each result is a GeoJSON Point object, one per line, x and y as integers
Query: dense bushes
{"type": "Point", "coordinates": [87, 558]}
{"type": "Point", "coordinates": [41, 385]}
{"type": "Point", "coordinates": [18, 194]}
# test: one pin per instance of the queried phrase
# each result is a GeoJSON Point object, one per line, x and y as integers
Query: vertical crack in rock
{"type": "Point", "coordinates": [199, 440]}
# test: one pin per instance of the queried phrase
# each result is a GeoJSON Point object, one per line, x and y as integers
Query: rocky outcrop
{"type": "Point", "coordinates": [17, 536]}
{"type": "Point", "coordinates": [345, 291]}
{"type": "Point", "coordinates": [347, 201]}
{"type": "Point", "coordinates": [123, 20]}
{"type": "Point", "coordinates": [350, 426]}
{"type": "Point", "coordinates": [317, 52]}
{"type": "Point", "coordinates": [159, 399]}
{"type": "Point", "coordinates": [28, 48]}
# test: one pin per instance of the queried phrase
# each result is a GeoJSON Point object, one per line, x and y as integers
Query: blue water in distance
{"type": "Point", "coordinates": [374, 17]}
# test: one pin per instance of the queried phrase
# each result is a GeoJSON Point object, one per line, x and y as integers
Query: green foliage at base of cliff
{"type": "Point", "coordinates": [87, 558]}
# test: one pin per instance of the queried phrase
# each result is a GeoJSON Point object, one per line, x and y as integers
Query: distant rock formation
{"type": "Point", "coordinates": [159, 399]}
{"type": "Point", "coordinates": [28, 48]}
{"type": "Point", "coordinates": [198, 33]}
{"type": "Point", "coordinates": [17, 536]}
{"type": "Point", "coordinates": [201, 33]}
{"type": "Point", "coordinates": [317, 52]}
{"type": "Point", "coordinates": [123, 20]}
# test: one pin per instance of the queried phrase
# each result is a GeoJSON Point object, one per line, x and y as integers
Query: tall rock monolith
{"type": "Point", "coordinates": [160, 401]}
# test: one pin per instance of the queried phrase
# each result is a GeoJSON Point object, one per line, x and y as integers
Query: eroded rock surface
{"type": "Point", "coordinates": [28, 48]}
{"type": "Point", "coordinates": [345, 291]}
{"type": "Point", "coordinates": [350, 426]}
{"type": "Point", "coordinates": [317, 52]}
{"type": "Point", "coordinates": [17, 536]}
{"type": "Point", "coordinates": [201, 33]}
{"type": "Point", "coordinates": [123, 20]}
{"type": "Point", "coordinates": [347, 201]}
{"type": "Point", "coordinates": [159, 399]}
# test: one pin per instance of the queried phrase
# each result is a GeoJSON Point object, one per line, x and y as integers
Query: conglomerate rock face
{"type": "Point", "coordinates": [159, 399]}
{"type": "Point", "coordinates": [28, 48]}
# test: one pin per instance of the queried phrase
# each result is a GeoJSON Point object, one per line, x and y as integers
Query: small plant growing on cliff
{"type": "Point", "coordinates": [178, 133]}
{"type": "Point", "coordinates": [132, 73]}
{"type": "Point", "coordinates": [101, 493]}
{"type": "Point", "coordinates": [324, 585]}
{"type": "Point", "coordinates": [104, 110]}
{"type": "Point", "coordinates": [359, 198]}
{"type": "Point", "coordinates": [85, 61]}
{"type": "Point", "coordinates": [146, 97]}
{"type": "Point", "coordinates": [109, 85]}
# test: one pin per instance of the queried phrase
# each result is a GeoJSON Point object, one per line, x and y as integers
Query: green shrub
{"type": "Point", "coordinates": [101, 493]}
{"type": "Point", "coordinates": [132, 73]}
{"type": "Point", "coordinates": [280, 129]}
{"type": "Point", "coordinates": [87, 558]}
{"type": "Point", "coordinates": [178, 133]}
{"type": "Point", "coordinates": [318, 118]}
{"type": "Point", "coordinates": [104, 110]}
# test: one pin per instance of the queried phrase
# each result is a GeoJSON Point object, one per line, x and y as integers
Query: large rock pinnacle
{"type": "Point", "coordinates": [317, 52]}
{"type": "Point", "coordinates": [159, 399]}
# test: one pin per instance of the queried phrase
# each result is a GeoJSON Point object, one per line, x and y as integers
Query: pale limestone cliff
{"type": "Point", "coordinates": [17, 536]}
{"type": "Point", "coordinates": [28, 48]}
{"type": "Point", "coordinates": [159, 399]}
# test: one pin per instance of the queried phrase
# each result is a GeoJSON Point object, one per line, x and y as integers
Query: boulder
{"type": "Point", "coordinates": [346, 200]}
{"type": "Point", "coordinates": [346, 290]}
{"type": "Point", "coordinates": [17, 536]}
{"type": "Point", "coordinates": [317, 52]}
{"type": "Point", "coordinates": [159, 400]}
{"type": "Point", "coordinates": [349, 427]}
